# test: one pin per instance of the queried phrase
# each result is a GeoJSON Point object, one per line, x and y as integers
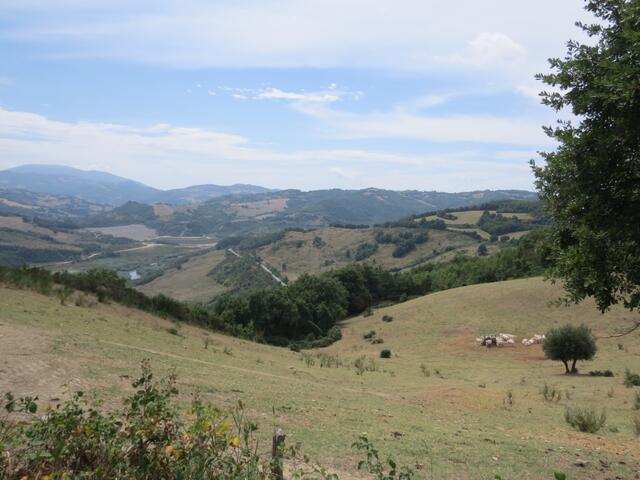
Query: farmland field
{"type": "Point", "coordinates": [137, 232]}
{"type": "Point", "coordinates": [439, 401]}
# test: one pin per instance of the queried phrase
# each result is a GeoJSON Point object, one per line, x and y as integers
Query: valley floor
{"type": "Point", "coordinates": [440, 403]}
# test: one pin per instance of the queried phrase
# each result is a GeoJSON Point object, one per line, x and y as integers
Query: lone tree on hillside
{"type": "Point", "coordinates": [569, 344]}
{"type": "Point", "coordinates": [591, 183]}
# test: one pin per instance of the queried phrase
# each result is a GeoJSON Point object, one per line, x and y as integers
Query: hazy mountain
{"type": "Point", "coordinates": [202, 193]}
{"type": "Point", "coordinates": [92, 186]}
{"type": "Point", "coordinates": [105, 188]}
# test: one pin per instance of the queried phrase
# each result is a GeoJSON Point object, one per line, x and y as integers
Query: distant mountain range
{"type": "Point", "coordinates": [108, 189]}
{"type": "Point", "coordinates": [50, 191]}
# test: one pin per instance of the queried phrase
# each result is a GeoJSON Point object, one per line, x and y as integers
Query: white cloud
{"type": "Point", "coordinates": [489, 50]}
{"type": "Point", "coordinates": [276, 93]}
{"type": "Point", "coordinates": [329, 95]}
{"type": "Point", "coordinates": [395, 34]}
{"type": "Point", "coordinates": [169, 156]}
{"type": "Point", "coordinates": [400, 123]}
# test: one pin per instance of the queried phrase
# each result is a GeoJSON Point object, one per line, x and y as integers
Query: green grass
{"type": "Point", "coordinates": [455, 422]}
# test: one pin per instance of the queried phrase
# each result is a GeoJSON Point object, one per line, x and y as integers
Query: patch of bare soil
{"type": "Point", "coordinates": [29, 367]}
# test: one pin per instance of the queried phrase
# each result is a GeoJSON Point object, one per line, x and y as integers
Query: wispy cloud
{"type": "Point", "coordinates": [326, 95]}
{"type": "Point", "coordinates": [402, 123]}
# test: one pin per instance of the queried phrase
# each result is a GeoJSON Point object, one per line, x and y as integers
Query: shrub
{"type": "Point", "coordinates": [387, 318]}
{"type": "Point", "coordinates": [365, 250]}
{"type": "Point", "coordinates": [369, 335]}
{"type": "Point", "coordinates": [145, 439]}
{"type": "Point", "coordinates": [364, 364]}
{"type": "Point", "coordinates": [569, 344]}
{"type": "Point", "coordinates": [386, 353]}
{"type": "Point", "coordinates": [585, 419]}
{"type": "Point", "coordinates": [631, 379]}
{"type": "Point", "coordinates": [550, 393]}
{"type": "Point", "coordinates": [601, 373]}
{"type": "Point", "coordinates": [387, 470]}
{"type": "Point", "coordinates": [508, 401]}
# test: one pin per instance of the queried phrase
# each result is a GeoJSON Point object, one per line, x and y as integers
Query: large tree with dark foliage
{"type": "Point", "coordinates": [591, 183]}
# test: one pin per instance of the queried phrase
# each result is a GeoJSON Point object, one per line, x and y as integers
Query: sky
{"type": "Point", "coordinates": [307, 94]}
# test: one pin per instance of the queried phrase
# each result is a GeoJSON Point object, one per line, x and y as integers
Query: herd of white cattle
{"type": "Point", "coordinates": [507, 340]}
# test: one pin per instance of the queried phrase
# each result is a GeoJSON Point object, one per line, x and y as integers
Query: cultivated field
{"type": "Point", "coordinates": [137, 232]}
{"type": "Point", "coordinates": [440, 401]}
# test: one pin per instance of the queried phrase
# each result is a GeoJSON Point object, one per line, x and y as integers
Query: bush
{"type": "Point", "coordinates": [364, 364]}
{"type": "Point", "coordinates": [601, 373]}
{"type": "Point", "coordinates": [585, 419]}
{"type": "Point", "coordinates": [380, 470]}
{"type": "Point", "coordinates": [386, 353]}
{"type": "Point", "coordinates": [145, 439]}
{"type": "Point", "coordinates": [369, 335]}
{"type": "Point", "coordinates": [387, 318]}
{"type": "Point", "coordinates": [631, 379]}
{"type": "Point", "coordinates": [569, 344]}
{"type": "Point", "coordinates": [550, 393]}
{"type": "Point", "coordinates": [365, 250]}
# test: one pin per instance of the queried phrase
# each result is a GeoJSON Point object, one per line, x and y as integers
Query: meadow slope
{"type": "Point", "coordinates": [453, 422]}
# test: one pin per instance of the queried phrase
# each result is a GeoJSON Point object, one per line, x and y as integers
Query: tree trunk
{"type": "Point", "coordinates": [573, 367]}
{"type": "Point", "coordinates": [566, 366]}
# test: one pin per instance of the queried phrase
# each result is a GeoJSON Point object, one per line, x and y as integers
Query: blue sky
{"type": "Point", "coordinates": [404, 94]}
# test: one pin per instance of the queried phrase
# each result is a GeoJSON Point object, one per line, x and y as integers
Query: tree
{"type": "Point", "coordinates": [591, 183]}
{"type": "Point", "coordinates": [482, 250]}
{"type": "Point", "coordinates": [569, 344]}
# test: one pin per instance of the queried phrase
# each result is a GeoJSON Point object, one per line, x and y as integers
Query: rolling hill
{"type": "Point", "coordinates": [269, 212]}
{"type": "Point", "coordinates": [438, 403]}
{"type": "Point", "coordinates": [294, 252]}
{"type": "Point", "coordinates": [45, 205]}
{"type": "Point", "coordinates": [105, 188]}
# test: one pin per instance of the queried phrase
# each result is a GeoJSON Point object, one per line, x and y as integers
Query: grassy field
{"type": "Point", "coordinates": [471, 217]}
{"type": "Point", "coordinates": [191, 282]}
{"type": "Point", "coordinates": [440, 401]}
{"type": "Point", "coordinates": [299, 255]}
{"type": "Point", "coordinates": [137, 232]}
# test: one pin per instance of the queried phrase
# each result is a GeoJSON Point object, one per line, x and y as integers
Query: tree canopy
{"type": "Point", "coordinates": [569, 344]}
{"type": "Point", "coordinates": [591, 183]}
